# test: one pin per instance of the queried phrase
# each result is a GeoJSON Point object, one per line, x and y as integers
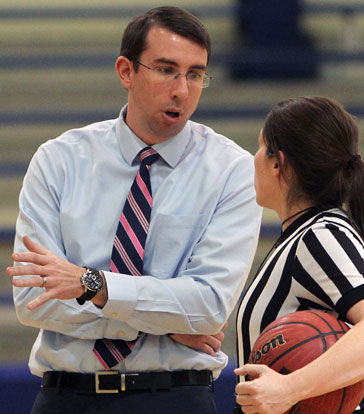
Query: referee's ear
{"type": "Point", "coordinates": [282, 167]}
{"type": "Point", "coordinates": [281, 161]}
{"type": "Point", "coordinates": [275, 162]}
{"type": "Point", "coordinates": [276, 170]}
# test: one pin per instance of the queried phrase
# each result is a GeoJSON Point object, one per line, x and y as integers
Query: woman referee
{"type": "Point", "coordinates": [309, 171]}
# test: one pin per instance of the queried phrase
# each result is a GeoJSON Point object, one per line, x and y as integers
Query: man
{"type": "Point", "coordinates": [189, 225]}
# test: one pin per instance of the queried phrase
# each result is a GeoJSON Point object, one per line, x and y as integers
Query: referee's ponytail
{"type": "Point", "coordinates": [320, 140]}
{"type": "Point", "coordinates": [355, 198]}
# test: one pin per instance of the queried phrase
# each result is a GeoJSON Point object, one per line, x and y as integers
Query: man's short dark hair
{"type": "Point", "coordinates": [175, 19]}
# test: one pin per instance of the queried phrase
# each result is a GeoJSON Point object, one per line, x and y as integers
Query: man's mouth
{"type": "Point", "coordinates": [172, 114]}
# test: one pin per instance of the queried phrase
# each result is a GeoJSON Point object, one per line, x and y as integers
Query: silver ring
{"type": "Point", "coordinates": [44, 282]}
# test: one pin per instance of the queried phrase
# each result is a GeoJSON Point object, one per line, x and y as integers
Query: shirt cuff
{"type": "Point", "coordinates": [348, 300]}
{"type": "Point", "coordinates": [122, 296]}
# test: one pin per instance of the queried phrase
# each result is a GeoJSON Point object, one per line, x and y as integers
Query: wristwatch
{"type": "Point", "coordinates": [92, 281]}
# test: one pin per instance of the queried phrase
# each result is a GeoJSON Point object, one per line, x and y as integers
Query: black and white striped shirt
{"type": "Point", "coordinates": [317, 263]}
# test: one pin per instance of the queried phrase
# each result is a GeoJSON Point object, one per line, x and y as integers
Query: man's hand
{"type": "Point", "coordinates": [59, 278]}
{"type": "Point", "coordinates": [210, 344]}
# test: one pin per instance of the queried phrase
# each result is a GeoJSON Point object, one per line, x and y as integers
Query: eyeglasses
{"type": "Point", "coordinates": [167, 73]}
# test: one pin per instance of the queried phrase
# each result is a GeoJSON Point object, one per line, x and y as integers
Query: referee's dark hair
{"type": "Point", "coordinates": [320, 140]}
{"type": "Point", "coordinates": [174, 19]}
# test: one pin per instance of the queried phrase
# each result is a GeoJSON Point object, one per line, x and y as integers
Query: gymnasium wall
{"type": "Point", "coordinates": [56, 73]}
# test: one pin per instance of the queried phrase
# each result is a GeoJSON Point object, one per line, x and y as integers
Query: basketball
{"type": "Point", "coordinates": [294, 340]}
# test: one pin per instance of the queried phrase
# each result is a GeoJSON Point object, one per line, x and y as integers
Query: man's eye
{"type": "Point", "coordinates": [195, 76]}
{"type": "Point", "coordinates": [165, 70]}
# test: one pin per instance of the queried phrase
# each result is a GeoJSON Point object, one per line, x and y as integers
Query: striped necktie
{"type": "Point", "coordinates": [128, 249]}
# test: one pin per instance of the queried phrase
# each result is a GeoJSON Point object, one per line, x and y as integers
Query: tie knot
{"type": "Point", "coordinates": [148, 155]}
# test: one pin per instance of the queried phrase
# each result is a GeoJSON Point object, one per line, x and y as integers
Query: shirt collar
{"type": "Point", "coordinates": [299, 221]}
{"type": "Point", "coordinates": [170, 150]}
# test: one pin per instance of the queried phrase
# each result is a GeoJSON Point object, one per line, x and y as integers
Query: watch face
{"type": "Point", "coordinates": [93, 280]}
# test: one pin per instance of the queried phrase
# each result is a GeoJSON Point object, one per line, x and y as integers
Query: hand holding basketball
{"type": "Point", "coordinates": [288, 346]}
{"type": "Point", "coordinates": [269, 393]}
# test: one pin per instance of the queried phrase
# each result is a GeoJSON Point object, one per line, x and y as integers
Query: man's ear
{"type": "Point", "coordinates": [124, 68]}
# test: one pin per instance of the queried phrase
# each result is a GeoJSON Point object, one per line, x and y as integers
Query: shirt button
{"type": "Point", "coordinates": [121, 334]}
{"type": "Point", "coordinates": [114, 315]}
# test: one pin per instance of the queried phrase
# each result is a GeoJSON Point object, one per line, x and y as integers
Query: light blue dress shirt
{"type": "Point", "coordinates": [200, 245]}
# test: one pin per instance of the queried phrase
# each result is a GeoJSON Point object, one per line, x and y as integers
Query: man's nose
{"type": "Point", "coordinates": [180, 87]}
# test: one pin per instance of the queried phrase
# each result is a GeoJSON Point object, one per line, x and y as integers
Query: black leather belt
{"type": "Point", "coordinates": [109, 382]}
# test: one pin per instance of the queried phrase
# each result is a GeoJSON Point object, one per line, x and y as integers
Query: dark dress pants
{"type": "Point", "coordinates": [177, 400]}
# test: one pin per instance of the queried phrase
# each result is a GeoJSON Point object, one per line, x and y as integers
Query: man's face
{"type": "Point", "coordinates": [158, 109]}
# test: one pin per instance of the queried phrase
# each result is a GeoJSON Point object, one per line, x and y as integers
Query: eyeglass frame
{"type": "Point", "coordinates": [205, 78]}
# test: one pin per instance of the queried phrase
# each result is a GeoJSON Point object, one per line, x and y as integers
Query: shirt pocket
{"type": "Point", "coordinates": [170, 242]}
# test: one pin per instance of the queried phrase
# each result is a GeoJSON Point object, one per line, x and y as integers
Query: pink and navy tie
{"type": "Point", "coordinates": [128, 250]}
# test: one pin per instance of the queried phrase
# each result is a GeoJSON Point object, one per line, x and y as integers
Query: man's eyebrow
{"type": "Point", "coordinates": [173, 63]}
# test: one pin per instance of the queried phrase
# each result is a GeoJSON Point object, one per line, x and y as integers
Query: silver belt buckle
{"type": "Point", "coordinates": [97, 382]}
{"type": "Point", "coordinates": [123, 384]}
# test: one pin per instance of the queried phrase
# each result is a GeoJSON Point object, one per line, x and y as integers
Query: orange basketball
{"type": "Point", "coordinates": [294, 340]}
